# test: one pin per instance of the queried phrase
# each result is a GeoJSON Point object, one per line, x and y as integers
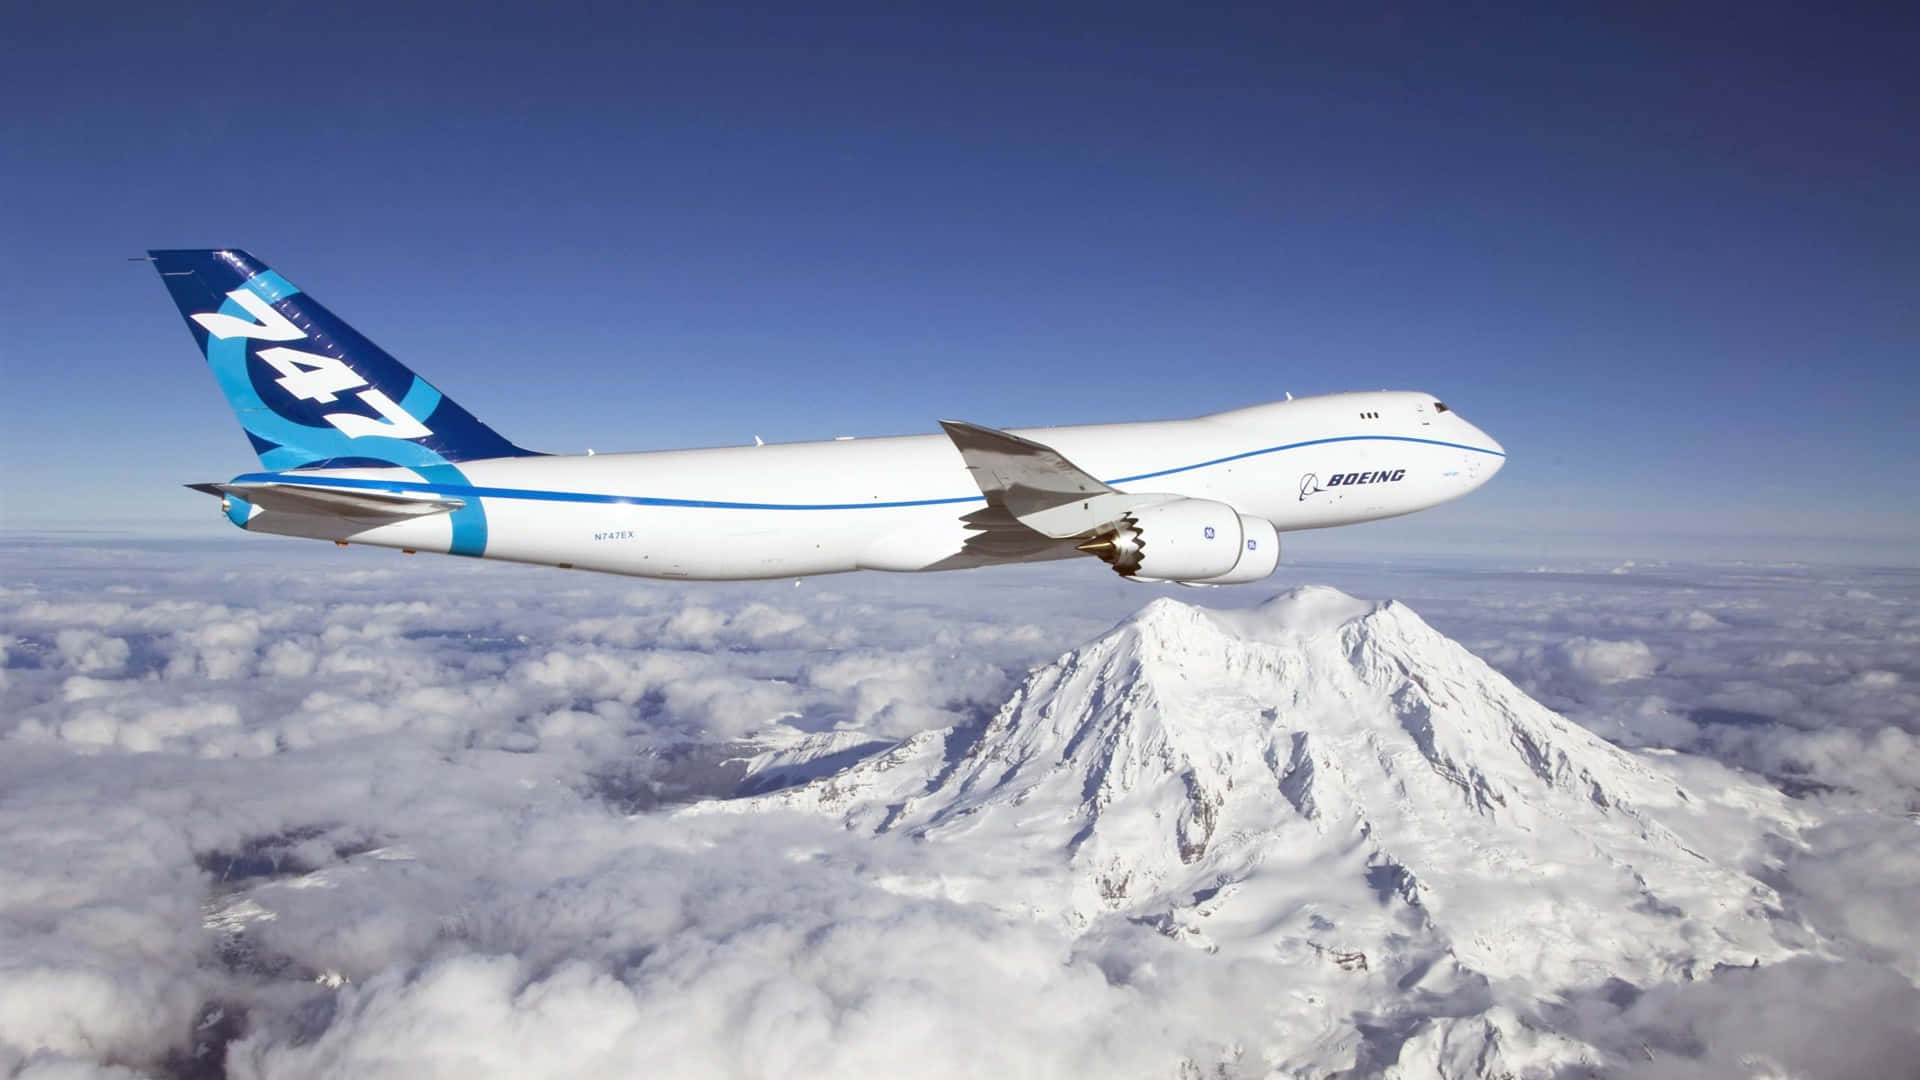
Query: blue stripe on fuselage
{"type": "Point", "coordinates": [539, 495]}
{"type": "Point", "coordinates": [1309, 442]}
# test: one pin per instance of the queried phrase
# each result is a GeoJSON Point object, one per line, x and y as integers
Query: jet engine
{"type": "Point", "coordinates": [1181, 540]}
{"type": "Point", "coordinates": [1259, 555]}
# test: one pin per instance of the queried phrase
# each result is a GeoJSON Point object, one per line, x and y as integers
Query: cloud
{"type": "Point", "coordinates": [1606, 661]}
{"type": "Point", "coordinates": [98, 917]}
{"type": "Point", "coordinates": [89, 650]}
{"type": "Point", "coordinates": [46, 1065]}
{"type": "Point", "coordinates": [420, 780]}
{"type": "Point", "coordinates": [76, 1009]}
{"type": "Point", "coordinates": [1695, 619]}
{"type": "Point", "coordinates": [765, 949]}
{"type": "Point", "coordinates": [1856, 875]}
{"type": "Point", "coordinates": [1799, 1018]}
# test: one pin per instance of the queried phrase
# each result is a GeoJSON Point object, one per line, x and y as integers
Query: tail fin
{"type": "Point", "coordinates": [310, 391]}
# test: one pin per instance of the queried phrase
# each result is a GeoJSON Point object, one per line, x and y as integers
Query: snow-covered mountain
{"type": "Point", "coordinates": [1334, 783]}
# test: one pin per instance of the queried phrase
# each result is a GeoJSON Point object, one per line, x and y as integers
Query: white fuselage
{"type": "Point", "coordinates": [898, 503]}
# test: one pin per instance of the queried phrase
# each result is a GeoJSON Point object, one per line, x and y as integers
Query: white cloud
{"type": "Point", "coordinates": [419, 771]}
{"type": "Point", "coordinates": [89, 650]}
{"type": "Point", "coordinates": [1695, 620]}
{"type": "Point", "coordinates": [1801, 1018]}
{"type": "Point", "coordinates": [1857, 874]}
{"type": "Point", "coordinates": [77, 1009]}
{"type": "Point", "coordinates": [752, 957]}
{"type": "Point", "coordinates": [47, 1065]}
{"type": "Point", "coordinates": [1790, 658]}
{"type": "Point", "coordinates": [1607, 661]}
{"type": "Point", "coordinates": [289, 659]}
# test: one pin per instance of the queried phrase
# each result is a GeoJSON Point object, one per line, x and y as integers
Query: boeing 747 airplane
{"type": "Point", "coordinates": [358, 449]}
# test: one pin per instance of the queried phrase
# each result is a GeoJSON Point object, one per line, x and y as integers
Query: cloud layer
{"type": "Point", "coordinates": [357, 816]}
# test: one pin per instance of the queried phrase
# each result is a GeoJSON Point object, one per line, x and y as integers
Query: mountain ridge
{"type": "Point", "coordinates": [1333, 783]}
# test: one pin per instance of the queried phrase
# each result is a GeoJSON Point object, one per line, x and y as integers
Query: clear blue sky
{"type": "Point", "coordinates": [1671, 258]}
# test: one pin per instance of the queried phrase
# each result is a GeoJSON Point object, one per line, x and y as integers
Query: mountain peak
{"type": "Point", "coordinates": [1302, 612]}
{"type": "Point", "coordinates": [1327, 776]}
{"type": "Point", "coordinates": [1305, 611]}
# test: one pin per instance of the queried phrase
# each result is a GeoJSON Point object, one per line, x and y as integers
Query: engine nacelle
{"type": "Point", "coordinates": [1259, 555]}
{"type": "Point", "coordinates": [1182, 540]}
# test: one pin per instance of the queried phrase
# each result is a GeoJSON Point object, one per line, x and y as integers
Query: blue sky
{"type": "Point", "coordinates": [1668, 258]}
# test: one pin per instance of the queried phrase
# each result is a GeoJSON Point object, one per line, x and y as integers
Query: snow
{"type": "Point", "coordinates": [1335, 785]}
{"type": "Point", "coordinates": [274, 823]}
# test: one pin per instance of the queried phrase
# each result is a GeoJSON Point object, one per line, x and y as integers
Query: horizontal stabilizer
{"type": "Point", "coordinates": [315, 499]}
{"type": "Point", "coordinates": [1037, 484]}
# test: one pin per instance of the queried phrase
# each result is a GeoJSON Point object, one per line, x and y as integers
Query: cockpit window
{"type": "Point", "coordinates": [1439, 406]}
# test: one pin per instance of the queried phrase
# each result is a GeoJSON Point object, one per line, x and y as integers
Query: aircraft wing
{"type": "Point", "coordinates": [1037, 484]}
{"type": "Point", "coordinates": [333, 501]}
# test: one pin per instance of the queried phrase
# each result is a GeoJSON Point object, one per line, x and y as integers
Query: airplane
{"type": "Point", "coordinates": [358, 449]}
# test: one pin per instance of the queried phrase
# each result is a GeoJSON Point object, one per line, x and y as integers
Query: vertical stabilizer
{"type": "Point", "coordinates": [309, 389]}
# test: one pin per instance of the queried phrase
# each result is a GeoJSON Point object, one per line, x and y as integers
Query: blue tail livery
{"type": "Point", "coordinates": [310, 391]}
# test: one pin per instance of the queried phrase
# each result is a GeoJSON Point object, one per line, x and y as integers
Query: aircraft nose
{"type": "Point", "coordinates": [1491, 461]}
